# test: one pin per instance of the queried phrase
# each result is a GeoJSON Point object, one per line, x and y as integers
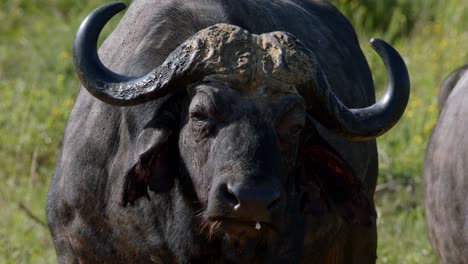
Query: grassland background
{"type": "Point", "coordinates": [38, 86]}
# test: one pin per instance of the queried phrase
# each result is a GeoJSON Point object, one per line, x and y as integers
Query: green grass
{"type": "Point", "coordinates": [431, 36]}
{"type": "Point", "coordinates": [38, 86]}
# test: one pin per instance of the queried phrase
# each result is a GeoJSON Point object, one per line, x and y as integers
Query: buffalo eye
{"type": "Point", "coordinates": [199, 118]}
{"type": "Point", "coordinates": [201, 112]}
{"type": "Point", "coordinates": [290, 126]}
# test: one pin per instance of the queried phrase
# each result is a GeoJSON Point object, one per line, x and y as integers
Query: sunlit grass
{"type": "Point", "coordinates": [38, 86]}
{"type": "Point", "coordinates": [434, 46]}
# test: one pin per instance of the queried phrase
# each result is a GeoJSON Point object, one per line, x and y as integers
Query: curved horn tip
{"type": "Point", "coordinates": [113, 88]}
{"type": "Point", "coordinates": [91, 26]}
{"type": "Point", "coordinates": [117, 6]}
{"type": "Point", "coordinates": [392, 59]}
{"type": "Point", "coordinates": [378, 44]}
{"type": "Point", "coordinates": [384, 49]}
{"type": "Point", "coordinates": [104, 13]}
{"type": "Point", "coordinates": [85, 58]}
{"type": "Point", "coordinates": [374, 40]}
{"type": "Point", "coordinates": [107, 11]}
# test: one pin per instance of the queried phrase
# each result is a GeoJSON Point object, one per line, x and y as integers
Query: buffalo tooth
{"type": "Point", "coordinates": [258, 226]}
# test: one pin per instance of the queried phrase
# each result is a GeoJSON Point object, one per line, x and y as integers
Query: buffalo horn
{"type": "Point", "coordinates": [362, 123]}
{"type": "Point", "coordinates": [116, 89]}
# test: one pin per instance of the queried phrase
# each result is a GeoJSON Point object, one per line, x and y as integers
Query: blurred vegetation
{"type": "Point", "coordinates": [431, 36]}
{"type": "Point", "coordinates": [38, 86]}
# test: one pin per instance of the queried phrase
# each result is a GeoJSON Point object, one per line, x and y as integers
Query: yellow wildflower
{"type": "Point", "coordinates": [444, 43]}
{"type": "Point", "coordinates": [69, 103]}
{"type": "Point", "coordinates": [428, 127]}
{"type": "Point", "coordinates": [64, 55]}
{"type": "Point", "coordinates": [407, 159]}
{"type": "Point", "coordinates": [415, 103]}
{"type": "Point", "coordinates": [418, 139]}
{"type": "Point", "coordinates": [409, 113]}
{"type": "Point", "coordinates": [55, 111]}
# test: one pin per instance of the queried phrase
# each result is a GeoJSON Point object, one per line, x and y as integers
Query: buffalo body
{"type": "Point", "coordinates": [230, 144]}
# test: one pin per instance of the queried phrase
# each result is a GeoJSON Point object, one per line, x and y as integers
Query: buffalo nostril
{"type": "Point", "coordinates": [253, 198]}
{"type": "Point", "coordinates": [228, 196]}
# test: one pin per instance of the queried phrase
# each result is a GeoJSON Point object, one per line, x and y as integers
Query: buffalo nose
{"type": "Point", "coordinates": [250, 202]}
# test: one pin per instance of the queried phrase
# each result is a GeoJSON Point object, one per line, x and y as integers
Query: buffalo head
{"type": "Point", "coordinates": [241, 139]}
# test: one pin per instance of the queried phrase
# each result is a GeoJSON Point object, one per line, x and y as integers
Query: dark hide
{"type": "Point", "coordinates": [155, 159]}
{"type": "Point", "coordinates": [330, 184]}
{"type": "Point", "coordinates": [445, 177]}
{"type": "Point", "coordinates": [448, 84]}
{"type": "Point", "coordinates": [119, 155]}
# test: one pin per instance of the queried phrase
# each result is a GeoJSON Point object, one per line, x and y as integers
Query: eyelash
{"type": "Point", "coordinates": [199, 118]}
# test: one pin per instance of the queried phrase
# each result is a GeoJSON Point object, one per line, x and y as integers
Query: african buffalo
{"type": "Point", "coordinates": [219, 132]}
{"type": "Point", "coordinates": [448, 84]}
{"type": "Point", "coordinates": [445, 173]}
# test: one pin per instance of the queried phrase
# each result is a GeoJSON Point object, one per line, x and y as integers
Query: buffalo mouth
{"type": "Point", "coordinates": [243, 240]}
{"type": "Point", "coordinates": [240, 228]}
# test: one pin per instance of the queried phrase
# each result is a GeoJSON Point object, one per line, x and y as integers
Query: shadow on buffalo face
{"type": "Point", "coordinates": [241, 135]}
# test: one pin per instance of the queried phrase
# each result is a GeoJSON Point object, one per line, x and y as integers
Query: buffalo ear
{"type": "Point", "coordinates": [329, 183]}
{"type": "Point", "coordinates": [153, 166]}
